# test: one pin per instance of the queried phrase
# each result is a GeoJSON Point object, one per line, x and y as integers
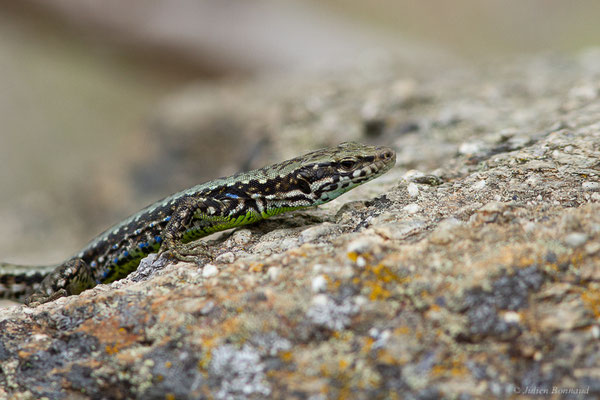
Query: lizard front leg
{"type": "Point", "coordinates": [173, 233]}
{"type": "Point", "coordinates": [70, 278]}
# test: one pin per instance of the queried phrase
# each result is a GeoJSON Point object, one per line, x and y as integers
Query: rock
{"type": "Point", "coordinates": [225, 258]}
{"type": "Point", "coordinates": [209, 271]}
{"type": "Point", "coordinates": [475, 283]}
{"type": "Point", "coordinates": [576, 239]}
{"type": "Point", "coordinates": [319, 283]}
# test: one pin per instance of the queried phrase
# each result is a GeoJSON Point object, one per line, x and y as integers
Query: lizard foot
{"type": "Point", "coordinates": [72, 277]}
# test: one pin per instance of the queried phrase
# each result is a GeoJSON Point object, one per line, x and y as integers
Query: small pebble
{"type": "Point", "coordinates": [209, 270]}
{"type": "Point", "coordinates": [360, 300]}
{"type": "Point", "coordinates": [242, 236]}
{"type": "Point", "coordinates": [225, 258]}
{"type": "Point", "coordinates": [399, 230]}
{"type": "Point", "coordinates": [592, 248]}
{"type": "Point", "coordinates": [512, 317]}
{"type": "Point", "coordinates": [315, 232]}
{"type": "Point", "coordinates": [362, 245]}
{"type": "Point", "coordinates": [591, 186]}
{"type": "Point", "coordinates": [319, 284]}
{"type": "Point", "coordinates": [208, 307]}
{"type": "Point", "coordinates": [317, 268]}
{"type": "Point", "coordinates": [479, 185]}
{"type": "Point", "coordinates": [412, 208]}
{"type": "Point", "coordinates": [413, 190]}
{"type": "Point", "coordinates": [576, 239]}
{"type": "Point", "coordinates": [530, 227]}
{"type": "Point", "coordinates": [361, 262]}
{"type": "Point", "coordinates": [445, 231]}
{"type": "Point", "coordinates": [273, 273]}
{"type": "Point", "coordinates": [470, 148]}
{"type": "Point", "coordinates": [320, 300]}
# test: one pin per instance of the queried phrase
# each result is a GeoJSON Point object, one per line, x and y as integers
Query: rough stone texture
{"type": "Point", "coordinates": [470, 270]}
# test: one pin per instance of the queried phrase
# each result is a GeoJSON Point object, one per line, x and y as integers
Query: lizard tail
{"type": "Point", "coordinates": [19, 281]}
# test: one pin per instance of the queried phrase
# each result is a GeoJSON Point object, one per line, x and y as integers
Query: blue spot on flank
{"type": "Point", "coordinates": [142, 245]}
{"type": "Point", "coordinates": [93, 264]}
{"type": "Point", "coordinates": [137, 232]}
{"type": "Point", "coordinates": [115, 247]}
{"type": "Point", "coordinates": [167, 219]}
{"type": "Point", "coordinates": [151, 224]}
{"type": "Point", "coordinates": [126, 254]}
{"type": "Point", "coordinates": [232, 196]}
{"type": "Point", "coordinates": [158, 239]}
{"type": "Point", "coordinates": [116, 260]}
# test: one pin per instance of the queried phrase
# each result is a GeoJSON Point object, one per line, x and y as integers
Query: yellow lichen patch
{"type": "Point", "coordinates": [286, 356]}
{"type": "Point", "coordinates": [109, 332]}
{"type": "Point", "coordinates": [576, 259]}
{"type": "Point", "coordinates": [453, 366]}
{"type": "Point", "coordinates": [111, 349]}
{"type": "Point", "coordinates": [385, 357]}
{"type": "Point", "coordinates": [343, 364]}
{"type": "Point", "coordinates": [377, 291]}
{"type": "Point", "coordinates": [591, 299]}
{"type": "Point", "coordinates": [402, 330]}
{"type": "Point", "coordinates": [353, 256]}
{"type": "Point", "coordinates": [204, 361]}
{"type": "Point", "coordinates": [343, 335]}
{"type": "Point", "coordinates": [367, 345]}
{"type": "Point", "coordinates": [299, 252]}
{"type": "Point", "coordinates": [434, 308]}
{"type": "Point", "coordinates": [376, 278]}
{"type": "Point", "coordinates": [256, 267]}
{"type": "Point", "coordinates": [332, 284]}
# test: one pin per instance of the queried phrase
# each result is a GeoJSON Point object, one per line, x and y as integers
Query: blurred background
{"type": "Point", "coordinates": [96, 121]}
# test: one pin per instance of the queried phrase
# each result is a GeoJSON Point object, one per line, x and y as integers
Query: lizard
{"type": "Point", "coordinates": [174, 224]}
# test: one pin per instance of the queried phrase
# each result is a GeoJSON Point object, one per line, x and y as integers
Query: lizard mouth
{"type": "Point", "coordinates": [383, 162]}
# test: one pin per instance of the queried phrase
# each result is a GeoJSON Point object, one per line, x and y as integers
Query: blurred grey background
{"type": "Point", "coordinates": [84, 83]}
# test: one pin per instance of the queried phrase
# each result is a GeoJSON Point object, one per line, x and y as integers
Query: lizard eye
{"type": "Point", "coordinates": [348, 164]}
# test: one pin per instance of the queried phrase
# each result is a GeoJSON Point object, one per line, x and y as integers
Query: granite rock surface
{"type": "Point", "coordinates": [470, 270]}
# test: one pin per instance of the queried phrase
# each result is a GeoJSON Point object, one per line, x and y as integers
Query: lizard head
{"type": "Point", "coordinates": [309, 180]}
{"type": "Point", "coordinates": [330, 172]}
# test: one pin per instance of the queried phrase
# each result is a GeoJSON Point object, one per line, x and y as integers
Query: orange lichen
{"type": "Point", "coordinates": [434, 307]}
{"type": "Point", "coordinates": [256, 267]}
{"type": "Point", "coordinates": [402, 330]}
{"type": "Point", "coordinates": [343, 364]}
{"type": "Point", "coordinates": [376, 278]}
{"type": "Point", "coordinates": [377, 291]}
{"type": "Point", "coordinates": [591, 299]}
{"type": "Point", "coordinates": [453, 366]}
{"type": "Point", "coordinates": [385, 357]}
{"type": "Point", "coordinates": [114, 349]}
{"type": "Point", "coordinates": [285, 356]}
{"type": "Point", "coordinates": [367, 345]}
